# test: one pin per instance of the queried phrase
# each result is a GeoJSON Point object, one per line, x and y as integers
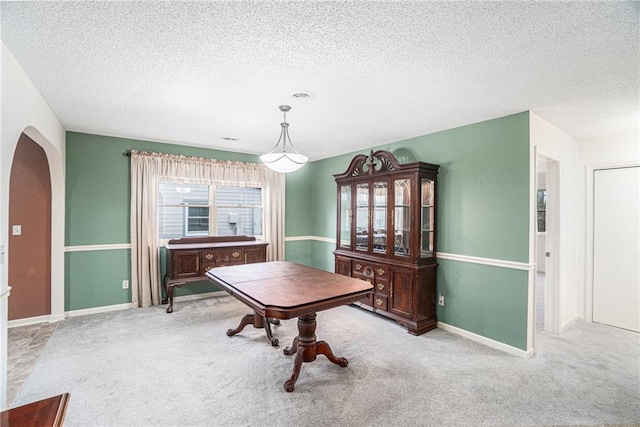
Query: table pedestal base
{"type": "Point", "coordinates": [306, 348]}
{"type": "Point", "coordinates": [258, 322]}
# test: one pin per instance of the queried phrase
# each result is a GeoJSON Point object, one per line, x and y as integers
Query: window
{"type": "Point", "coordinates": [208, 210]}
{"type": "Point", "coordinates": [542, 210]}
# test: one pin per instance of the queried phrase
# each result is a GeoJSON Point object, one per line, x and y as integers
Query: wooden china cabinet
{"type": "Point", "coordinates": [386, 236]}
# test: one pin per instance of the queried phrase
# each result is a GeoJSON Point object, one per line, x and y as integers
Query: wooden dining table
{"type": "Point", "coordinates": [285, 290]}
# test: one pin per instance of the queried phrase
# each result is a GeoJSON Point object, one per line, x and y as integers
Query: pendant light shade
{"type": "Point", "coordinates": [284, 158]}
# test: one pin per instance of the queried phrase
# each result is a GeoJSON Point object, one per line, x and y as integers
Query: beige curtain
{"type": "Point", "coordinates": [147, 169]}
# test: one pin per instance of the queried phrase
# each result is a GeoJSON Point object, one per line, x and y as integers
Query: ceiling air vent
{"type": "Point", "coordinates": [303, 95]}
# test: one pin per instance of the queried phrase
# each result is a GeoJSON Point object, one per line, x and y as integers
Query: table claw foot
{"type": "Point", "coordinates": [294, 347]}
{"type": "Point", "coordinates": [323, 348]}
{"type": "Point", "coordinates": [274, 321]}
{"type": "Point", "coordinates": [297, 364]}
{"type": "Point", "coordinates": [247, 319]}
{"type": "Point", "coordinates": [267, 327]}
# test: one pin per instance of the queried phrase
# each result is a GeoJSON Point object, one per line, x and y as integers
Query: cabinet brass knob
{"type": "Point", "coordinates": [209, 256]}
{"type": "Point", "coordinates": [380, 286]}
{"type": "Point", "coordinates": [380, 271]}
{"type": "Point", "coordinates": [378, 301]}
{"type": "Point", "coordinates": [235, 254]}
{"type": "Point", "coordinates": [358, 267]}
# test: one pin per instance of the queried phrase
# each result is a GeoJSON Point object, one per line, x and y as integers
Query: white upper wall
{"type": "Point", "coordinates": [556, 145]}
{"type": "Point", "coordinates": [25, 111]}
{"type": "Point", "coordinates": [611, 151]}
{"type": "Point", "coordinates": [614, 150]}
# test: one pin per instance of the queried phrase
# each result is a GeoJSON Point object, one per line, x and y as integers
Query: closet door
{"type": "Point", "coordinates": [616, 247]}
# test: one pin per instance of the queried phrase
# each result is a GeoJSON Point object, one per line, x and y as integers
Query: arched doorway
{"type": "Point", "coordinates": [29, 234]}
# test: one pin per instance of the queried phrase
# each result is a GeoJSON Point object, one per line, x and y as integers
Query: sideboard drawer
{"type": "Point", "coordinates": [229, 257]}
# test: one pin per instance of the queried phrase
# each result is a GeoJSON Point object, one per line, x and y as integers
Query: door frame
{"type": "Point", "coordinates": [552, 243]}
{"type": "Point", "coordinates": [589, 239]}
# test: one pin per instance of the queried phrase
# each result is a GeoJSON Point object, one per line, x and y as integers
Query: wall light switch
{"type": "Point", "coordinates": [16, 230]}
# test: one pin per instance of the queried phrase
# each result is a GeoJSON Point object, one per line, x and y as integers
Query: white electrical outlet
{"type": "Point", "coordinates": [441, 300]}
{"type": "Point", "coordinates": [16, 230]}
{"type": "Point", "coordinates": [125, 284]}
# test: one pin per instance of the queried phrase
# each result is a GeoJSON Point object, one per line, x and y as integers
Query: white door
{"type": "Point", "coordinates": [616, 247]}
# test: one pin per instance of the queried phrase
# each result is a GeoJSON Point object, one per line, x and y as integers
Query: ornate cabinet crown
{"type": "Point", "coordinates": [386, 235]}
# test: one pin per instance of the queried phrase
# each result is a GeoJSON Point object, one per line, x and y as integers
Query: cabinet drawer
{"type": "Point", "coordinates": [381, 286]}
{"type": "Point", "coordinates": [372, 270]}
{"type": "Point", "coordinates": [234, 256]}
{"type": "Point", "coordinates": [380, 301]}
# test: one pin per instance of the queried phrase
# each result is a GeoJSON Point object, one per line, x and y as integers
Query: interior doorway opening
{"type": "Point", "coordinates": [547, 293]}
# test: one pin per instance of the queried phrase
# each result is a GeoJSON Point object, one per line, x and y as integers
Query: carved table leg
{"type": "Point", "coordinates": [247, 319]}
{"type": "Point", "coordinates": [267, 328]}
{"type": "Point", "coordinates": [258, 322]}
{"type": "Point", "coordinates": [294, 347]}
{"type": "Point", "coordinates": [322, 347]}
{"type": "Point", "coordinates": [297, 364]}
{"type": "Point", "coordinates": [306, 348]}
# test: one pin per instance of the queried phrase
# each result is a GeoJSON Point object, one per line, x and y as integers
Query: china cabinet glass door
{"type": "Point", "coordinates": [427, 221]}
{"type": "Point", "coordinates": [380, 190]}
{"type": "Point", "coordinates": [402, 216]}
{"type": "Point", "coordinates": [362, 217]}
{"type": "Point", "coordinates": [345, 216]}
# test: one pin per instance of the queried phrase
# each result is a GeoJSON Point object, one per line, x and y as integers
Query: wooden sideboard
{"type": "Point", "coordinates": [189, 258]}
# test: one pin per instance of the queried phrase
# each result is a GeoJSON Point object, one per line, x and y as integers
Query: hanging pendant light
{"type": "Point", "coordinates": [286, 158]}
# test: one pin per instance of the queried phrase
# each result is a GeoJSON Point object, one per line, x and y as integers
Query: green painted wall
{"type": "Point", "coordinates": [98, 213]}
{"type": "Point", "coordinates": [483, 187]}
{"type": "Point", "coordinates": [489, 301]}
{"type": "Point", "coordinates": [483, 211]}
{"type": "Point", "coordinates": [94, 278]}
{"type": "Point", "coordinates": [298, 202]}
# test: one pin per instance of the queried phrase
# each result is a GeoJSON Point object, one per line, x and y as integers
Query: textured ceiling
{"type": "Point", "coordinates": [194, 72]}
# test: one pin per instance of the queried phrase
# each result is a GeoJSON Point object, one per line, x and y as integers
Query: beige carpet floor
{"type": "Point", "coordinates": [144, 367]}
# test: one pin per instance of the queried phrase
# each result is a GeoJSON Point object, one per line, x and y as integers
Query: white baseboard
{"type": "Point", "coordinates": [485, 341]}
{"type": "Point", "coordinates": [96, 310]}
{"type": "Point", "coordinates": [57, 317]}
{"type": "Point", "coordinates": [104, 309]}
{"type": "Point", "coordinates": [29, 321]}
{"type": "Point", "coordinates": [570, 322]}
